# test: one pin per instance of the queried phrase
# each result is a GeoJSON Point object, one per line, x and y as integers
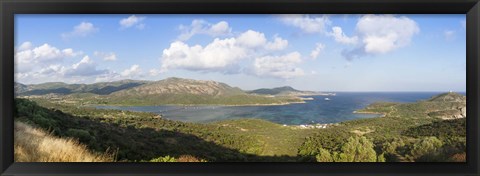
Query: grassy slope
{"type": "Point", "coordinates": [35, 145]}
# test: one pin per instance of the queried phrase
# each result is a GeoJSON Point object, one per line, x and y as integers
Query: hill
{"type": "Point", "coordinates": [188, 91]}
{"type": "Point", "coordinates": [102, 88]}
{"type": "Point", "coordinates": [286, 90]}
{"type": "Point", "coordinates": [449, 97]}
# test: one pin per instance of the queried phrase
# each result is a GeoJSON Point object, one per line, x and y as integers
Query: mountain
{"type": "Point", "coordinates": [187, 92]}
{"type": "Point", "coordinates": [182, 86]}
{"type": "Point", "coordinates": [20, 88]}
{"type": "Point", "coordinates": [285, 90]}
{"type": "Point", "coordinates": [102, 88]}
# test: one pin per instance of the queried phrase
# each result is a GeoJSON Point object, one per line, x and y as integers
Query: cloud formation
{"type": "Point", "coordinates": [86, 67]}
{"type": "Point", "coordinates": [203, 27]}
{"type": "Point", "coordinates": [340, 36]}
{"type": "Point", "coordinates": [133, 71]}
{"type": "Point", "coordinates": [132, 21]}
{"type": "Point", "coordinates": [384, 33]}
{"type": "Point", "coordinates": [224, 56]}
{"type": "Point", "coordinates": [27, 56]}
{"type": "Point", "coordinates": [110, 56]}
{"type": "Point", "coordinates": [307, 23]}
{"type": "Point", "coordinates": [81, 30]}
{"type": "Point", "coordinates": [279, 66]}
{"type": "Point", "coordinates": [217, 55]}
{"type": "Point", "coordinates": [317, 50]}
{"type": "Point", "coordinates": [380, 34]}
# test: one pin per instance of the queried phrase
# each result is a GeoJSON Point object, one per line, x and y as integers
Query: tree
{"type": "Point", "coordinates": [426, 148]}
{"type": "Point", "coordinates": [358, 149]}
{"type": "Point", "coordinates": [381, 158]}
{"type": "Point", "coordinates": [324, 156]}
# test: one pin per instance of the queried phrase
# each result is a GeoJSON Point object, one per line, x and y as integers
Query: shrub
{"type": "Point", "coordinates": [164, 159]}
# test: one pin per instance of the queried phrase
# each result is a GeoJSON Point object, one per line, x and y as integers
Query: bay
{"type": "Point", "coordinates": [338, 108]}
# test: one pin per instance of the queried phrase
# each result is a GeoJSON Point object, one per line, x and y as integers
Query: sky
{"type": "Point", "coordinates": [341, 52]}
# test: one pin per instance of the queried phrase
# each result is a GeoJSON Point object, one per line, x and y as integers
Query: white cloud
{"type": "Point", "coordinates": [220, 54]}
{"type": "Point", "coordinates": [203, 27]}
{"type": "Point", "coordinates": [215, 56]}
{"type": "Point", "coordinates": [25, 46]}
{"type": "Point", "coordinates": [132, 21]}
{"type": "Point", "coordinates": [81, 30]}
{"type": "Point", "coordinates": [108, 76]}
{"type": "Point", "coordinates": [224, 56]}
{"type": "Point", "coordinates": [279, 66]}
{"type": "Point", "coordinates": [69, 52]}
{"type": "Point", "coordinates": [449, 35]}
{"type": "Point", "coordinates": [111, 56]}
{"type": "Point", "coordinates": [277, 44]}
{"type": "Point", "coordinates": [317, 51]}
{"type": "Point", "coordinates": [154, 72]}
{"type": "Point", "coordinates": [27, 57]}
{"type": "Point", "coordinates": [307, 23]}
{"type": "Point", "coordinates": [340, 36]}
{"type": "Point", "coordinates": [384, 33]}
{"type": "Point", "coordinates": [252, 39]}
{"type": "Point", "coordinates": [133, 71]}
{"type": "Point", "coordinates": [86, 67]}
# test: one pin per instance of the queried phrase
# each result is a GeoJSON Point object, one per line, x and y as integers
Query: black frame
{"type": "Point", "coordinates": [10, 7]}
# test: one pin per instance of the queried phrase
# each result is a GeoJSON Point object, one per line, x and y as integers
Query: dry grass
{"type": "Point", "coordinates": [35, 145]}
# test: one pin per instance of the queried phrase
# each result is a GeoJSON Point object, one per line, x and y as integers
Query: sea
{"type": "Point", "coordinates": [322, 109]}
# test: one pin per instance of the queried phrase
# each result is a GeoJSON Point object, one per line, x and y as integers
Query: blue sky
{"type": "Point", "coordinates": [309, 52]}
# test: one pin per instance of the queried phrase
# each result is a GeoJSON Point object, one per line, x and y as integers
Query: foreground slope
{"type": "Point", "coordinates": [35, 145]}
{"type": "Point", "coordinates": [138, 136]}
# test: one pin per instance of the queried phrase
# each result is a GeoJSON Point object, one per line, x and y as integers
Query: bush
{"type": "Point", "coordinates": [81, 135]}
{"type": "Point", "coordinates": [164, 159]}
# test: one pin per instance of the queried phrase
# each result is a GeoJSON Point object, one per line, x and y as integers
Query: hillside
{"type": "Point", "coordinates": [407, 132]}
{"type": "Point", "coordinates": [35, 145]}
{"type": "Point", "coordinates": [101, 88]}
{"type": "Point", "coordinates": [188, 92]}
{"type": "Point", "coordinates": [402, 131]}
{"type": "Point", "coordinates": [154, 137]}
{"type": "Point", "coordinates": [449, 97]}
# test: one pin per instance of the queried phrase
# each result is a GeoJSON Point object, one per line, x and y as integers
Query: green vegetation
{"type": "Point", "coordinates": [153, 137]}
{"type": "Point", "coordinates": [356, 149]}
{"type": "Point", "coordinates": [406, 133]}
{"type": "Point", "coordinates": [403, 134]}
